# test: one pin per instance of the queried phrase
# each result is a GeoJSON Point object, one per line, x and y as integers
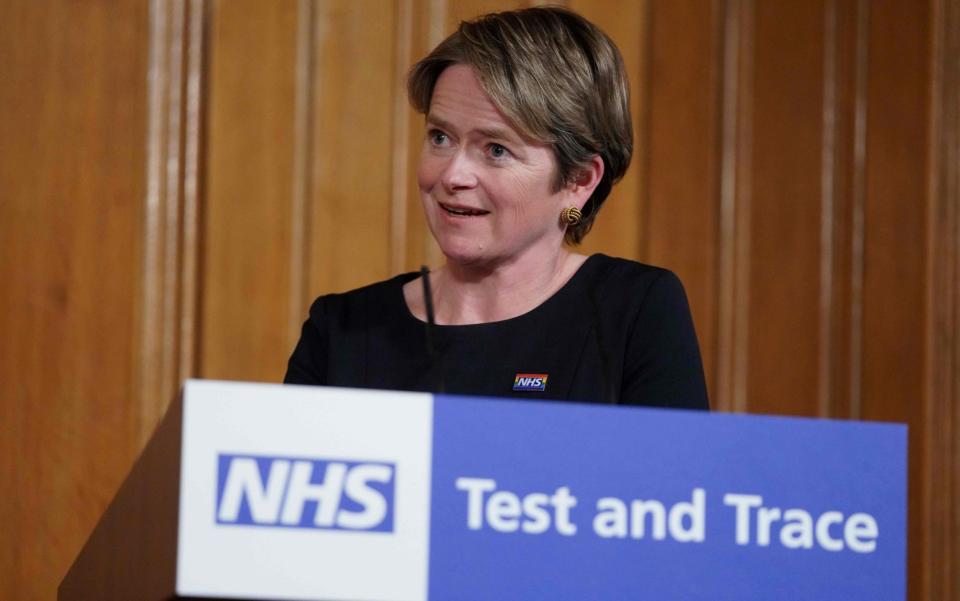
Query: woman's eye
{"type": "Point", "coordinates": [498, 152]}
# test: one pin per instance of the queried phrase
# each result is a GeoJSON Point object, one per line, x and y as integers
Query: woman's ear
{"type": "Point", "coordinates": [586, 179]}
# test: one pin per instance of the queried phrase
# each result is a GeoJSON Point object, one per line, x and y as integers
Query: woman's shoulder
{"type": "Point", "coordinates": [631, 291]}
{"type": "Point", "coordinates": [382, 294]}
{"type": "Point", "coordinates": [627, 276]}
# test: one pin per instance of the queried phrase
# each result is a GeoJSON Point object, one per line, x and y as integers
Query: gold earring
{"type": "Point", "coordinates": [571, 216]}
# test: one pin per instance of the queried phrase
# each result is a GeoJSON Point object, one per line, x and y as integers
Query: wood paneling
{"type": "Point", "coordinates": [166, 336]}
{"type": "Point", "coordinates": [896, 187]}
{"type": "Point", "coordinates": [941, 461]}
{"type": "Point", "coordinates": [353, 170]}
{"type": "Point", "coordinates": [422, 21]}
{"type": "Point", "coordinates": [249, 162]}
{"type": "Point", "coordinates": [841, 233]}
{"type": "Point", "coordinates": [454, 11]}
{"type": "Point", "coordinates": [72, 155]}
{"type": "Point", "coordinates": [172, 202]}
{"type": "Point", "coordinates": [680, 166]}
{"type": "Point", "coordinates": [894, 227]}
{"type": "Point", "coordinates": [732, 250]}
{"type": "Point", "coordinates": [786, 113]}
{"type": "Point", "coordinates": [619, 225]}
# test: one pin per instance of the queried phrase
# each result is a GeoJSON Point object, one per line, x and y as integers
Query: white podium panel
{"type": "Point", "coordinates": [299, 499]}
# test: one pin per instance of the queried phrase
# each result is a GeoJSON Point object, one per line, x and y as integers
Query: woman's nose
{"type": "Point", "coordinates": [459, 173]}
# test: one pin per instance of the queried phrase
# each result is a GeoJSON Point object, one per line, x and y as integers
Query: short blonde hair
{"type": "Point", "coordinates": [559, 80]}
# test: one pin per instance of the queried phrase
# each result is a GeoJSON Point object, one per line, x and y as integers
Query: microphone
{"type": "Point", "coordinates": [436, 365]}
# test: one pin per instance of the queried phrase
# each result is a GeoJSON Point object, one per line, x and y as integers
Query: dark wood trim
{"type": "Point", "coordinates": [941, 474]}
{"type": "Point", "coordinates": [403, 59]}
{"type": "Point", "coordinates": [192, 140]}
{"type": "Point", "coordinates": [300, 201]}
{"type": "Point", "coordinates": [169, 287]}
{"type": "Point", "coordinates": [828, 202]}
{"type": "Point", "coordinates": [857, 253]}
{"type": "Point", "coordinates": [734, 246]}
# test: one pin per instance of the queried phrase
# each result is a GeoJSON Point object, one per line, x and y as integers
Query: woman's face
{"type": "Point", "coordinates": [487, 192]}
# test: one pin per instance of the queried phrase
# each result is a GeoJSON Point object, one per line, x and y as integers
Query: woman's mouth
{"type": "Point", "coordinates": [463, 211]}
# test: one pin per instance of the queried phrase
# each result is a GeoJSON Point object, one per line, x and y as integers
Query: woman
{"type": "Point", "coordinates": [527, 129]}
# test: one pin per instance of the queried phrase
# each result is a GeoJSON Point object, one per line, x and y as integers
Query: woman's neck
{"type": "Point", "coordinates": [468, 294]}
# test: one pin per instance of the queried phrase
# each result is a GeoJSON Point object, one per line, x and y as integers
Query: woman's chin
{"type": "Point", "coordinates": [463, 257]}
{"type": "Point", "coordinates": [464, 253]}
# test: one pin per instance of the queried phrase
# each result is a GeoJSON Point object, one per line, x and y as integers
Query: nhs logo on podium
{"type": "Point", "coordinates": [294, 492]}
{"type": "Point", "coordinates": [297, 492]}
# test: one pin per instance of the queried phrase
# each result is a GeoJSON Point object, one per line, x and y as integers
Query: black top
{"type": "Point", "coordinates": [618, 331]}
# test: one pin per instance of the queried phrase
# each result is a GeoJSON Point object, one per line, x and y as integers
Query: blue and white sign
{"type": "Point", "coordinates": [298, 492]}
{"type": "Point", "coordinates": [535, 501]}
{"type": "Point", "coordinates": [289, 492]}
{"type": "Point", "coordinates": [319, 493]}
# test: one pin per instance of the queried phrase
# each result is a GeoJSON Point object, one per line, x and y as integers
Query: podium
{"type": "Point", "coordinates": [256, 491]}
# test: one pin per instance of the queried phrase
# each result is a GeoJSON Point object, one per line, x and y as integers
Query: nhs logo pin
{"type": "Point", "coordinates": [297, 492]}
{"type": "Point", "coordinates": [530, 382]}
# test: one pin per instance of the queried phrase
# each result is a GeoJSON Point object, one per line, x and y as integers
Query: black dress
{"type": "Point", "coordinates": [617, 332]}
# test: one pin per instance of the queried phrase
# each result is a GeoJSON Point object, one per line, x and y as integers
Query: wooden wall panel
{"type": "Point", "coordinates": [941, 461]}
{"type": "Point", "coordinates": [619, 226]}
{"type": "Point", "coordinates": [795, 163]}
{"type": "Point", "coordinates": [784, 224]}
{"type": "Point", "coordinates": [247, 216]}
{"type": "Point", "coordinates": [681, 172]}
{"type": "Point", "coordinates": [841, 234]}
{"type": "Point", "coordinates": [355, 89]}
{"type": "Point", "coordinates": [896, 187]}
{"type": "Point", "coordinates": [167, 303]}
{"type": "Point", "coordinates": [455, 11]}
{"type": "Point", "coordinates": [733, 243]}
{"type": "Point", "coordinates": [895, 226]}
{"type": "Point", "coordinates": [72, 154]}
{"type": "Point", "coordinates": [422, 24]}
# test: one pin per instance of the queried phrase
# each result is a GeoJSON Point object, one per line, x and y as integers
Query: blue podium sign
{"type": "Point", "coordinates": [538, 501]}
{"type": "Point", "coordinates": [294, 492]}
